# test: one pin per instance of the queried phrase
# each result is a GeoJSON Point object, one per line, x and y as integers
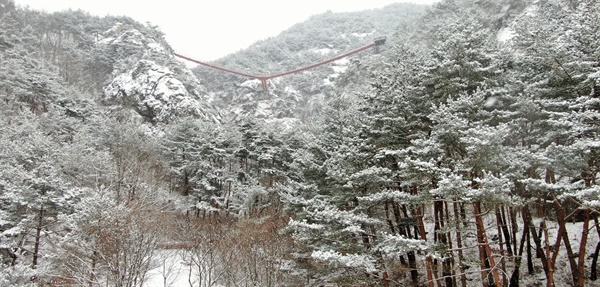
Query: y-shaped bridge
{"type": "Point", "coordinates": [263, 78]}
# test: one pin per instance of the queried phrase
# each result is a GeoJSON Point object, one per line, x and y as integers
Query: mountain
{"type": "Point", "coordinates": [324, 36]}
{"type": "Point", "coordinates": [319, 38]}
{"type": "Point", "coordinates": [115, 61]}
{"type": "Point", "coordinates": [123, 64]}
{"type": "Point", "coordinates": [159, 88]}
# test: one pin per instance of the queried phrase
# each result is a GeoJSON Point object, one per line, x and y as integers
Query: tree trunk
{"type": "Point", "coordinates": [451, 261]}
{"type": "Point", "coordinates": [419, 214]}
{"type": "Point", "coordinates": [514, 278]}
{"type": "Point", "coordinates": [484, 248]}
{"type": "Point", "coordinates": [436, 231]}
{"type": "Point", "coordinates": [405, 231]}
{"type": "Point", "coordinates": [93, 269]}
{"type": "Point", "coordinates": [513, 225]}
{"type": "Point", "coordinates": [538, 243]}
{"type": "Point", "coordinates": [562, 233]}
{"type": "Point", "coordinates": [428, 261]}
{"type": "Point", "coordinates": [387, 217]}
{"type": "Point", "coordinates": [505, 232]}
{"type": "Point", "coordinates": [38, 233]}
{"type": "Point", "coordinates": [548, 255]}
{"type": "Point", "coordinates": [442, 236]}
{"type": "Point", "coordinates": [582, 246]}
{"type": "Point", "coordinates": [530, 269]}
{"type": "Point", "coordinates": [461, 258]}
{"type": "Point", "coordinates": [594, 267]}
{"type": "Point", "coordinates": [499, 226]}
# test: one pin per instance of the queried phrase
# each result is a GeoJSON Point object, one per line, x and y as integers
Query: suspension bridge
{"type": "Point", "coordinates": [264, 78]}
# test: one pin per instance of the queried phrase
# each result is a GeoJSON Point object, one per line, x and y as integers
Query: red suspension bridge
{"type": "Point", "coordinates": [264, 78]}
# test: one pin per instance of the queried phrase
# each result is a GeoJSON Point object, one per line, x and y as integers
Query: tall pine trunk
{"type": "Point", "coordinates": [548, 255]}
{"type": "Point", "coordinates": [451, 260]}
{"type": "Point", "coordinates": [485, 252]}
{"type": "Point", "coordinates": [515, 277]}
{"type": "Point", "coordinates": [405, 231]}
{"type": "Point", "coordinates": [562, 232]}
{"type": "Point", "coordinates": [441, 236]}
{"type": "Point", "coordinates": [582, 247]}
{"type": "Point", "coordinates": [594, 267]}
{"type": "Point", "coordinates": [38, 234]}
{"type": "Point", "coordinates": [501, 240]}
{"type": "Point", "coordinates": [421, 225]}
{"type": "Point", "coordinates": [530, 267]}
{"type": "Point", "coordinates": [504, 227]}
{"type": "Point", "coordinates": [459, 245]}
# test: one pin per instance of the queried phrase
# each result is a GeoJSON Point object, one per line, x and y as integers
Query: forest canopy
{"type": "Point", "coordinates": [466, 153]}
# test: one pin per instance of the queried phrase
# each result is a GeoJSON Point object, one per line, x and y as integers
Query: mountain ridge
{"type": "Point", "coordinates": [320, 37]}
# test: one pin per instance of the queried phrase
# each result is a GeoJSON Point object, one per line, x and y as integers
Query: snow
{"type": "Point", "coordinates": [15, 231]}
{"type": "Point", "coordinates": [385, 195]}
{"type": "Point", "coordinates": [348, 260]}
{"type": "Point", "coordinates": [116, 35]}
{"type": "Point", "coordinates": [155, 90]}
{"type": "Point", "coordinates": [114, 29]}
{"type": "Point", "coordinates": [322, 51]}
{"type": "Point", "coordinates": [360, 35]}
{"type": "Point", "coordinates": [305, 225]}
{"type": "Point", "coordinates": [155, 47]}
{"type": "Point", "coordinates": [284, 124]}
{"type": "Point", "coordinates": [340, 66]}
{"type": "Point", "coordinates": [397, 244]}
{"type": "Point", "coordinates": [505, 34]}
{"type": "Point", "coordinates": [169, 270]}
{"type": "Point", "coordinates": [338, 70]}
{"type": "Point", "coordinates": [263, 109]}
{"type": "Point", "coordinates": [291, 91]}
{"type": "Point", "coordinates": [203, 205]}
{"type": "Point", "coordinates": [252, 84]}
{"type": "Point", "coordinates": [106, 41]}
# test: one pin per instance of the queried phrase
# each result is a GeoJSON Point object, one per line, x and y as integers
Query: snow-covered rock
{"type": "Point", "coordinates": [147, 79]}
{"type": "Point", "coordinates": [155, 92]}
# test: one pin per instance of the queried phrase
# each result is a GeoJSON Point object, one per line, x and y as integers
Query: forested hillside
{"type": "Point", "coordinates": [465, 153]}
{"type": "Point", "coordinates": [319, 38]}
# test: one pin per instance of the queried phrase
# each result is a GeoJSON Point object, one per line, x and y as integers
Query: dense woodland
{"type": "Point", "coordinates": [464, 154]}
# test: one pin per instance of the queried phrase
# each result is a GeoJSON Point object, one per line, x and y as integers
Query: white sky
{"type": "Point", "coordinates": [210, 29]}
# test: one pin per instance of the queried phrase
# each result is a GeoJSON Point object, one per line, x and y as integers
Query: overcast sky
{"type": "Point", "coordinates": [210, 29]}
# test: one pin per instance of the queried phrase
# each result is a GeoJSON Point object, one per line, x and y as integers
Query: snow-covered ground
{"type": "Point", "coordinates": [169, 271]}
